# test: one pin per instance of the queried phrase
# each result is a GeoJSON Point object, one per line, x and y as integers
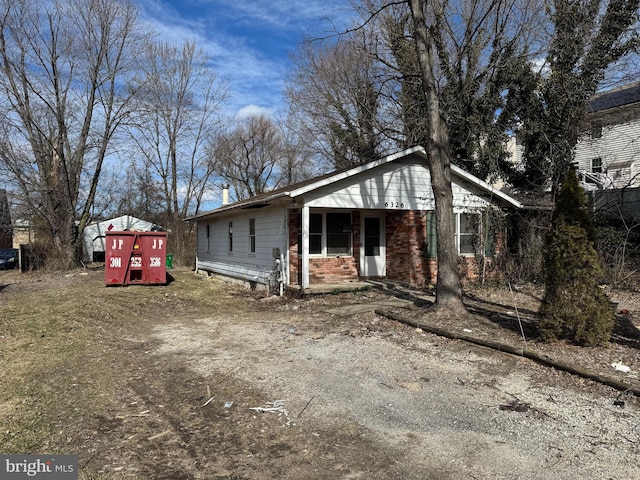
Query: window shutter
{"type": "Point", "coordinates": [489, 235]}
{"type": "Point", "coordinates": [432, 236]}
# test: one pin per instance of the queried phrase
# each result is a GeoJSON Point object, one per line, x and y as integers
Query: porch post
{"type": "Point", "coordinates": [305, 247]}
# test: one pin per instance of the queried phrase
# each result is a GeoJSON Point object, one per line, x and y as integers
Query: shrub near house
{"type": "Point", "coordinates": [574, 306]}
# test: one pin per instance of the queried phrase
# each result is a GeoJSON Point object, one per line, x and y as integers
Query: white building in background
{"type": "Point", "coordinates": [93, 237]}
{"type": "Point", "coordinates": [608, 151]}
{"type": "Point", "coordinates": [607, 154]}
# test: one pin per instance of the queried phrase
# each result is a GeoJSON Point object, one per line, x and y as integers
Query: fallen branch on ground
{"type": "Point", "coordinates": [522, 352]}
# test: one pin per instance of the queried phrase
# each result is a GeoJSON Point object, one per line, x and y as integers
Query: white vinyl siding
{"type": "Point", "coordinates": [618, 149]}
{"type": "Point", "coordinates": [255, 266]}
{"type": "Point", "coordinates": [403, 185]}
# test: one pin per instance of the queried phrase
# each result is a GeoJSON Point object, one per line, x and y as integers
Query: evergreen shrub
{"type": "Point", "coordinates": [574, 306]}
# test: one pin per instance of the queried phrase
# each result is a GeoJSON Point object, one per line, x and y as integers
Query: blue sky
{"type": "Point", "coordinates": [249, 41]}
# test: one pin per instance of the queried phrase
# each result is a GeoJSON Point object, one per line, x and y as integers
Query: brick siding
{"type": "Point", "coordinates": [323, 269]}
{"type": "Point", "coordinates": [406, 256]}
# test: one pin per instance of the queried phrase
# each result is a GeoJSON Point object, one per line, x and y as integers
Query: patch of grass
{"type": "Point", "coordinates": [46, 386]}
{"type": "Point", "coordinates": [64, 345]}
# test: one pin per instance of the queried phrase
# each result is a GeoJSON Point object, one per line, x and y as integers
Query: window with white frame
{"type": "Point", "coordinates": [338, 233]}
{"type": "Point", "coordinates": [230, 244]}
{"type": "Point", "coordinates": [330, 234]}
{"type": "Point", "coordinates": [468, 227]}
{"type": "Point", "coordinates": [596, 165]}
{"type": "Point", "coordinates": [252, 235]}
{"type": "Point", "coordinates": [208, 237]}
{"type": "Point", "coordinates": [316, 221]}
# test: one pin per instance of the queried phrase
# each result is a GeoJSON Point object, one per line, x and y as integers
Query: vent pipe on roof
{"type": "Point", "coordinates": [225, 194]}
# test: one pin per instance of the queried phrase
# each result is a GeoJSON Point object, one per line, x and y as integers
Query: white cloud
{"type": "Point", "coordinates": [282, 13]}
{"type": "Point", "coordinates": [253, 111]}
{"type": "Point", "coordinates": [541, 66]}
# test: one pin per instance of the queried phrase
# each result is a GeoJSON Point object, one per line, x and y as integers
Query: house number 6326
{"type": "Point", "coordinates": [394, 204]}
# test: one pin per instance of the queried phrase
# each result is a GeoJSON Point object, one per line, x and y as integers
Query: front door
{"type": "Point", "coordinates": [373, 258]}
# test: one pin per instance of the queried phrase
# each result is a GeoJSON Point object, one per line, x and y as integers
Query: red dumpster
{"type": "Point", "coordinates": [135, 258]}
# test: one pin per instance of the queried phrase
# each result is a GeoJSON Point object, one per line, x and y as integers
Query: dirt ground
{"type": "Point", "coordinates": [200, 379]}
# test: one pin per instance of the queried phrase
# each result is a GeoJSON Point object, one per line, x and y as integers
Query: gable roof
{"type": "Point", "coordinates": [122, 222]}
{"type": "Point", "coordinates": [301, 188]}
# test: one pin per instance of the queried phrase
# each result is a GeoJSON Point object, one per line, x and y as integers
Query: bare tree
{"type": "Point", "coordinates": [178, 113]}
{"type": "Point", "coordinates": [64, 66]}
{"type": "Point", "coordinates": [448, 289]}
{"type": "Point", "coordinates": [335, 94]}
{"type": "Point", "coordinates": [253, 157]}
{"type": "Point", "coordinates": [133, 189]}
{"type": "Point", "coordinates": [298, 161]}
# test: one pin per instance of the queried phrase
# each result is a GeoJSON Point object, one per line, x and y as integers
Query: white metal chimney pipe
{"type": "Point", "coordinates": [225, 194]}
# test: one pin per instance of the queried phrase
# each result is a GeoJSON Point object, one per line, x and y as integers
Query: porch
{"type": "Point", "coordinates": [399, 294]}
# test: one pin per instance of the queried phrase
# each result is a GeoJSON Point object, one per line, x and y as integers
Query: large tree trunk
{"type": "Point", "coordinates": [448, 289]}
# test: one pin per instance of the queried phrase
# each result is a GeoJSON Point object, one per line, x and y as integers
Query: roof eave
{"type": "Point", "coordinates": [485, 186]}
{"type": "Point", "coordinates": [237, 206]}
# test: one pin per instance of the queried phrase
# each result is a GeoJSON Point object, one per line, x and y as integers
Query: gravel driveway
{"type": "Point", "coordinates": [374, 399]}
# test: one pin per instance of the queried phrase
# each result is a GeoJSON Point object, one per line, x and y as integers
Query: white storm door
{"type": "Point", "coordinates": [373, 260]}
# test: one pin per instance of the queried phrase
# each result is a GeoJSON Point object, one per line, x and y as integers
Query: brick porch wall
{"type": "Point", "coordinates": [332, 269]}
{"type": "Point", "coordinates": [469, 270]}
{"type": "Point", "coordinates": [405, 239]}
{"type": "Point", "coordinates": [324, 269]}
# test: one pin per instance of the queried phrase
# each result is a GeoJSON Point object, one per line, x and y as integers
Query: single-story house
{"type": "Point", "coordinates": [93, 237]}
{"type": "Point", "coordinates": [372, 221]}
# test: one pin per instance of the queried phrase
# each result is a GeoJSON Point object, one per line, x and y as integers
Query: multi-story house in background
{"type": "Point", "coordinates": [608, 151]}
{"type": "Point", "coordinates": [607, 154]}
